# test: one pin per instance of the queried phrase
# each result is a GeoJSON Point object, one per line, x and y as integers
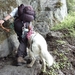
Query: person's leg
{"type": "Point", "coordinates": [22, 51]}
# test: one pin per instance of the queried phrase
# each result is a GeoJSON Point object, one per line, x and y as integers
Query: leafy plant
{"type": "Point", "coordinates": [70, 5]}
{"type": "Point", "coordinates": [67, 25]}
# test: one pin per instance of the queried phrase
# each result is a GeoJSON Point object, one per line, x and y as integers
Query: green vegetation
{"type": "Point", "coordinates": [68, 25]}
{"type": "Point", "coordinates": [61, 63]}
{"type": "Point", "coordinates": [60, 42]}
{"type": "Point", "coordinates": [71, 5]}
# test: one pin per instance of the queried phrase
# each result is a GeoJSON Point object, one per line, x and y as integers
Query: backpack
{"type": "Point", "coordinates": [26, 13]}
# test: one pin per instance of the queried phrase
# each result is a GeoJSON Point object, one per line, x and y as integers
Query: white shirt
{"type": "Point", "coordinates": [14, 12]}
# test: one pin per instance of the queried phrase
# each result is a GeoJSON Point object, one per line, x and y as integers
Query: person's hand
{"type": "Point", "coordinates": [1, 22]}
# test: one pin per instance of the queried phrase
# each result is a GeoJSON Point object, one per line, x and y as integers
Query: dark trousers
{"type": "Point", "coordinates": [23, 41]}
{"type": "Point", "coordinates": [22, 47]}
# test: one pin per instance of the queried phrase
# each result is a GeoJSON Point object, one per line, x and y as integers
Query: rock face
{"type": "Point", "coordinates": [20, 70]}
{"type": "Point", "coordinates": [48, 13]}
{"type": "Point", "coordinates": [8, 45]}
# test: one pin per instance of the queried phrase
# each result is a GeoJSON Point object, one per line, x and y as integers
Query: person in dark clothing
{"type": "Point", "coordinates": [22, 24]}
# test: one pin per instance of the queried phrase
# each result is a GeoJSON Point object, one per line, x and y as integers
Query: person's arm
{"type": "Point", "coordinates": [12, 14]}
{"type": "Point", "coordinates": [5, 19]}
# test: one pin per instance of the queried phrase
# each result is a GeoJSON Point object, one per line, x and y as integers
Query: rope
{"type": "Point", "coordinates": [6, 29]}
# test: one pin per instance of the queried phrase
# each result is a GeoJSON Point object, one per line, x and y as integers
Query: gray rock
{"type": "Point", "coordinates": [20, 70]}
{"type": "Point", "coordinates": [7, 46]}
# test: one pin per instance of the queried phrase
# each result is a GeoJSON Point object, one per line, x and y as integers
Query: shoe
{"type": "Point", "coordinates": [20, 61]}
